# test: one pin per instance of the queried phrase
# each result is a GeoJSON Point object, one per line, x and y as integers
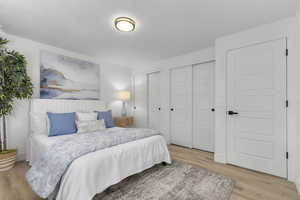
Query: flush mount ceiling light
{"type": "Point", "coordinates": [124, 24]}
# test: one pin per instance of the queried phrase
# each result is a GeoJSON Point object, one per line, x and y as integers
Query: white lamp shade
{"type": "Point", "coordinates": [124, 95]}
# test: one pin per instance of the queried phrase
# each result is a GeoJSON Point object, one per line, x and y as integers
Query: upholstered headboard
{"type": "Point", "coordinates": [39, 108]}
{"type": "Point", "coordinates": [50, 105]}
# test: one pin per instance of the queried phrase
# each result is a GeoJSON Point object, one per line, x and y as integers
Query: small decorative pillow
{"type": "Point", "coordinates": [86, 116]}
{"type": "Point", "coordinates": [107, 116]}
{"type": "Point", "coordinates": [90, 126]}
{"type": "Point", "coordinates": [61, 123]}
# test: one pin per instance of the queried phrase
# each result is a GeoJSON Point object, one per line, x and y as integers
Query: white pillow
{"type": "Point", "coordinates": [86, 116]}
{"type": "Point", "coordinates": [38, 123]}
{"type": "Point", "coordinates": [90, 126]}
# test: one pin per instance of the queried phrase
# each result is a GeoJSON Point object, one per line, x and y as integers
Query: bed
{"type": "Point", "coordinates": [92, 173]}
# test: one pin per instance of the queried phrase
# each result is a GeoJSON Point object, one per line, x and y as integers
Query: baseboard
{"type": "Point", "coordinates": [220, 158]}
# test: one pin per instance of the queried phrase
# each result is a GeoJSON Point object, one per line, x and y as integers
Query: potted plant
{"type": "Point", "coordinates": [14, 84]}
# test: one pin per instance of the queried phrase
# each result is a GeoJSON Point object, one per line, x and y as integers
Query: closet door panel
{"type": "Point", "coordinates": [203, 102]}
{"type": "Point", "coordinates": [181, 106]}
{"type": "Point", "coordinates": [154, 100]}
{"type": "Point", "coordinates": [140, 101]}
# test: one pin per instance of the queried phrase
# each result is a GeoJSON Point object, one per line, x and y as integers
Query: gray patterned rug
{"type": "Point", "coordinates": [178, 181]}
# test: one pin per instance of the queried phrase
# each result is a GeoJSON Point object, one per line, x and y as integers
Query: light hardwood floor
{"type": "Point", "coordinates": [250, 185]}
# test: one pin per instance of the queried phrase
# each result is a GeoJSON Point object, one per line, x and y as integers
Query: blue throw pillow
{"type": "Point", "coordinates": [61, 123]}
{"type": "Point", "coordinates": [107, 117]}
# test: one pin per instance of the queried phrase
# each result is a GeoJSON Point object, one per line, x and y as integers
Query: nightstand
{"type": "Point", "coordinates": [124, 122]}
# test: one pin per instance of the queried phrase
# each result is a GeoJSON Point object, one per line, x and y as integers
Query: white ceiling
{"type": "Point", "coordinates": [165, 28]}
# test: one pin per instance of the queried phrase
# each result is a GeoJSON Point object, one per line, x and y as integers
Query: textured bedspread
{"type": "Point", "coordinates": [46, 173]}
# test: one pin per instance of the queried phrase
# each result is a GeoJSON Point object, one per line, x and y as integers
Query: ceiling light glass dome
{"type": "Point", "coordinates": [124, 24]}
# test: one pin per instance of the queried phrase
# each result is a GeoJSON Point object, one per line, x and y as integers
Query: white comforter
{"type": "Point", "coordinates": [94, 172]}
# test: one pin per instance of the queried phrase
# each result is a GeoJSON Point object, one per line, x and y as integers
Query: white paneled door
{"type": "Point", "coordinates": [154, 100]}
{"type": "Point", "coordinates": [181, 106]}
{"type": "Point", "coordinates": [203, 104]}
{"type": "Point", "coordinates": [256, 107]}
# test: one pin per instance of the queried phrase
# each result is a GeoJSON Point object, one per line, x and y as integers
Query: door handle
{"type": "Point", "coordinates": [230, 112]}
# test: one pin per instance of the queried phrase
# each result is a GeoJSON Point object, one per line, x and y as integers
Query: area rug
{"type": "Point", "coordinates": [177, 181]}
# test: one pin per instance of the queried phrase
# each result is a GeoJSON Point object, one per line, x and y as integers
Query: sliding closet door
{"type": "Point", "coordinates": [203, 103]}
{"type": "Point", "coordinates": [140, 101]}
{"type": "Point", "coordinates": [181, 106]}
{"type": "Point", "coordinates": [154, 100]}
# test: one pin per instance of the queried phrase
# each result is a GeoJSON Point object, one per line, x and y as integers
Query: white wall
{"type": "Point", "coordinates": [200, 56]}
{"type": "Point", "coordinates": [280, 29]}
{"type": "Point", "coordinates": [113, 79]}
{"type": "Point", "coordinates": [164, 67]}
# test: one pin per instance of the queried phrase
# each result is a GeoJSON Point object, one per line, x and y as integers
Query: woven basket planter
{"type": "Point", "coordinates": [7, 159]}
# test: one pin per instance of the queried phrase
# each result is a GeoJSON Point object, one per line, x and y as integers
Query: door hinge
{"type": "Point", "coordinates": [287, 103]}
{"type": "Point", "coordinates": [286, 52]}
{"type": "Point", "coordinates": [287, 155]}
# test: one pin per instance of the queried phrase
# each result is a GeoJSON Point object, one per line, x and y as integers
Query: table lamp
{"type": "Point", "coordinates": [124, 96]}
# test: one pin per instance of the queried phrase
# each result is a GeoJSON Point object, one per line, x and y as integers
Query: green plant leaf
{"type": "Point", "coordinates": [14, 81]}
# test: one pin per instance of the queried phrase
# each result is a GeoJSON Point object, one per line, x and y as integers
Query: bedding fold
{"type": "Point", "coordinates": [45, 173]}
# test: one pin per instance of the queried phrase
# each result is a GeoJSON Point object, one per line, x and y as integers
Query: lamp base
{"type": "Point", "coordinates": [124, 111]}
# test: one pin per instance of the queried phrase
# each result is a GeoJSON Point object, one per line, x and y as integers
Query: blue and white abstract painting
{"type": "Point", "coordinates": [63, 77]}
